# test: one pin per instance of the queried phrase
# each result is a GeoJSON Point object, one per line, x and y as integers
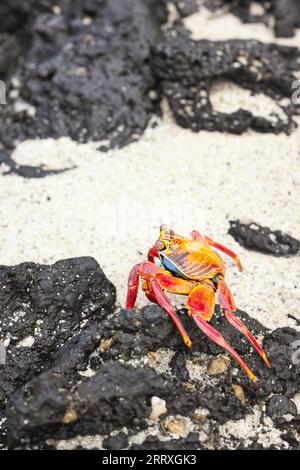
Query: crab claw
{"type": "Point", "coordinates": [155, 280]}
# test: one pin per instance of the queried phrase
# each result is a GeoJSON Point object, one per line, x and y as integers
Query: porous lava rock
{"type": "Point", "coordinates": [98, 70]}
{"type": "Point", "coordinates": [187, 70]}
{"type": "Point", "coordinates": [49, 316]}
{"type": "Point", "coordinates": [78, 367]}
{"type": "Point", "coordinates": [286, 13]}
{"type": "Point", "coordinates": [255, 237]}
{"type": "Point", "coordinates": [86, 74]}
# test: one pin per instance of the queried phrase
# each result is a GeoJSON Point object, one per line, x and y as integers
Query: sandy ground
{"type": "Point", "coordinates": [112, 204]}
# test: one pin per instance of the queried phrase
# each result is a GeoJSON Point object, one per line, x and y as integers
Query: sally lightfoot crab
{"type": "Point", "coordinates": [191, 267]}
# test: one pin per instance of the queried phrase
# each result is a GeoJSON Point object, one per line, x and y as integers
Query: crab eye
{"type": "Point", "coordinates": [159, 245]}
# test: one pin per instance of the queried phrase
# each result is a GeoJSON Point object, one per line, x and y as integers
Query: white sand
{"type": "Point", "coordinates": [221, 26]}
{"type": "Point", "coordinates": [111, 206]}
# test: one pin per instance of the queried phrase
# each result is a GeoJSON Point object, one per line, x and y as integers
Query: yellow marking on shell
{"type": "Point", "coordinates": [196, 264]}
{"type": "Point", "coordinates": [191, 258]}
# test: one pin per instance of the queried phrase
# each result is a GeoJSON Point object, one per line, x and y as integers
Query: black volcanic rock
{"type": "Point", "coordinates": [89, 76]}
{"type": "Point", "coordinates": [120, 441]}
{"type": "Point", "coordinates": [279, 406]}
{"type": "Point", "coordinates": [286, 13]}
{"type": "Point", "coordinates": [138, 331]}
{"type": "Point", "coordinates": [98, 70]}
{"type": "Point", "coordinates": [51, 404]}
{"type": "Point", "coordinates": [75, 379]}
{"type": "Point", "coordinates": [55, 307]}
{"type": "Point", "coordinates": [187, 70]}
{"type": "Point", "coordinates": [16, 29]}
{"type": "Point", "coordinates": [186, 7]}
{"type": "Point", "coordinates": [262, 239]}
{"type": "Point", "coordinates": [282, 349]}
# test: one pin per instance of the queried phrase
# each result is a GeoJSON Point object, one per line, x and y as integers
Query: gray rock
{"type": "Point", "coordinates": [279, 406]}
{"type": "Point", "coordinates": [255, 237]}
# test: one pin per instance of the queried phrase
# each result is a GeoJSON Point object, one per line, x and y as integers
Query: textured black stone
{"type": "Point", "coordinates": [138, 331]}
{"type": "Point", "coordinates": [120, 441]}
{"type": "Point", "coordinates": [87, 81]}
{"type": "Point", "coordinates": [191, 442]}
{"type": "Point", "coordinates": [186, 7]}
{"type": "Point", "coordinates": [187, 70]}
{"type": "Point", "coordinates": [285, 12]}
{"type": "Point", "coordinates": [279, 406]}
{"type": "Point", "coordinates": [178, 366]}
{"type": "Point", "coordinates": [117, 395]}
{"type": "Point", "coordinates": [50, 303]}
{"type": "Point", "coordinates": [282, 349]}
{"type": "Point", "coordinates": [262, 239]}
{"type": "Point", "coordinates": [99, 69]}
{"type": "Point", "coordinates": [44, 385]}
{"type": "Point", "coordinates": [16, 29]}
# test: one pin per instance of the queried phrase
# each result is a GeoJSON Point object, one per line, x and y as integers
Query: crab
{"type": "Point", "coordinates": [191, 267]}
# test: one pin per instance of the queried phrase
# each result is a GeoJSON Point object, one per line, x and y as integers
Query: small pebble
{"type": "Point", "coordinates": [105, 344]}
{"type": "Point", "coordinates": [177, 426]}
{"type": "Point", "coordinates": [70, 416]}
{"type": "Point", "coordinates": [200, 415]}
{"type": "Point", "coordinates": [158, 408]}
{"type": "Point", "coordinates": [152, 359]}
{"type": "Point", "coordinates": [239, 393]}
{"type": "Point", "coordinates": [218, 366]}
{"type": "Point", "coordinates": [279, 405]}
{"type": "Point", "coordinates": [118, 442]}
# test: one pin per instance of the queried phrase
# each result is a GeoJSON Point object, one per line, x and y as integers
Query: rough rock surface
{"type": "Point", "coordinates": [17, 30]}
{"type": "Point", "coordinates": [286, 13]}
{"type": "Point", "coordinates": [74, 368]}
{"type": "Point", "coordinates": [97, 71]}
{"type": "Point", "coordinates": [89, 75]}
{"type": "Point", "coordinates": [117, 395]}
{"type": "Point", "coordinates": [279, 406]}
{"type": "Point", "coordinates": [188, 68]}
{"type": "Point", "coordinates": [264, 240]}
{"type": "Point", "coordinates": [191, 442]}
{"type": "Point", "coordinates": [49, 316]}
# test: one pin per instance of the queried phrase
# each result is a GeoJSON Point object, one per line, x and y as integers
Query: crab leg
{"type": "Point", "coordinates": [133, 286]}
{"type": "Point", "coordinates": [150, 296]}
{"type": "Point", "coordinates": [202, 239]}
{"type": "Point", "coordinates": [215, 336]}
{"type": "Point", "coordinates": [155, 280]}
{"type": "Point", "coordinates": [200, 306]}
{"type": "Point", "coordinates": [225, 250]}
{"type": "Point", "coordinates": [228, 306]}
{"type": "Point", "coordinates": [197, 236]}
{"type": "Point", "coordinates": [152, 253]}
{"type": "Point", "coordinates": [164, 302]}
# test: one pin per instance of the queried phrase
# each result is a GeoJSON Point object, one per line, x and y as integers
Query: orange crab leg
{"type": "Point", "coordinates": [157, 279]}
{"type": "Point", "coordinates": [200, 306]}
{"type": "Point", "coordinates": [228, 306]}
{"type": "Point", "coordinates": [202, 239]}
{"type": "Point", "coordinates": [215, 336]}
{"type": "Point", "coordinates": [133, 286]}
{"type": "Point", "coordinates": [225, 250]}
{"type": "Point", "coordinates": [164, 302]}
